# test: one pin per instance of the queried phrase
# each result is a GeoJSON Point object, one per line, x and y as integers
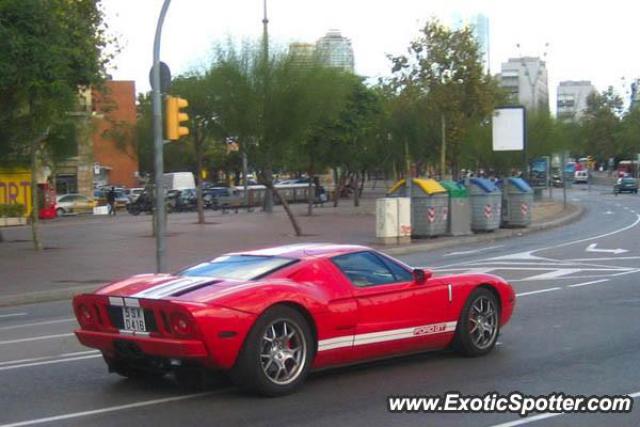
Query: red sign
{"type": "Point", "coordinates": [431, 214]}
{"type": "Point", "coordinates": [488, 211]}
{"type": "Point", "coordinates": [524, 209]}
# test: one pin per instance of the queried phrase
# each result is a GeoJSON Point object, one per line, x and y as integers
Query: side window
{"type": "Point", "coordinates": [364, 269]}
{"type": "Point", "coordinates": [401, 274]}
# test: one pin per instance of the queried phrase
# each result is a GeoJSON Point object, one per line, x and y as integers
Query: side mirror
{"type": "Point", "coordinates": [421, 275]}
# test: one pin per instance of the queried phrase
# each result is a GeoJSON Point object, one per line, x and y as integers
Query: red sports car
{"type": "Point", "coordinates": [270, 316]}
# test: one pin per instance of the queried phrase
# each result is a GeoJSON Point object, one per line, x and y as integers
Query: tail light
{"type": "Point", "coordinates": [87, 316]}
{"type": "Point", "coordinates": [181, 324]}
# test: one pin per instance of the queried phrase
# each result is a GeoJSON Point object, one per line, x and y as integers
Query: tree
{"type": "Point", "coordinates": [628, 135]}
{"type": "Point", "coordinates": [196, 88]}
{"type": "Point", "coordinates": [269, 106]}
{"type": "Point", "coordinates": [445, 67]}
{"type": "Point", "coordinates": [601, 119]}
{"type": "Point", "coordinates": [50, 49]}
{"type": "Point", "coordinates": [352, 135]}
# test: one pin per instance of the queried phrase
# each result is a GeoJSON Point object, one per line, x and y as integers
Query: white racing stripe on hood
{"type": "Point", "coordinates": [171, 287]}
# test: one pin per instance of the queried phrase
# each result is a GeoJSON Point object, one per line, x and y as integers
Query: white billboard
{"type": "Point", "coordinates": [508, 129]}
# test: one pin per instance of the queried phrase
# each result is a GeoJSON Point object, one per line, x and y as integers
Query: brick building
{"type": "Point", "coordinates": [106, 154]}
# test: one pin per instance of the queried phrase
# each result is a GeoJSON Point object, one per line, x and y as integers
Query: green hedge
{"type": "Point", "coordinates": [13, 210]}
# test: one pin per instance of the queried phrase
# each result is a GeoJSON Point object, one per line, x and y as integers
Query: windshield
{"type": "Point", "coordinates": [238, 267]}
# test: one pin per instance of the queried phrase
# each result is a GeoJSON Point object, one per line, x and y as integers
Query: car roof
{"type": "Point", "coordinates": [306, 250]}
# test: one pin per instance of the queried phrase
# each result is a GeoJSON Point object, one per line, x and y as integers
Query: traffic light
{"type": "Point", "coordinates": [174, 117]}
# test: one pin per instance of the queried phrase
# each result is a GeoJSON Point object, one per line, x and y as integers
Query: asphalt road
{"type": "Point", "coordinates": [575, 330]}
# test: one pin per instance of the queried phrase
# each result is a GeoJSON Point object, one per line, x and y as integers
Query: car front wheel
{"type": "Point", "coordinates": [479, 324]}
{"type": "Point", "coordinates": [59, 212]}
{"type": "Point", "coordinates": [277, 353]}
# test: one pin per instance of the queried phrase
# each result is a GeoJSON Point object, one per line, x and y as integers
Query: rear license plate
{"type": "Point", "coordinates": [133, 319]}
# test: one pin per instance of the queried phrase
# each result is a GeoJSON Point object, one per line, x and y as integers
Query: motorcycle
{"type": "Point", "coordinates": [144, 203]}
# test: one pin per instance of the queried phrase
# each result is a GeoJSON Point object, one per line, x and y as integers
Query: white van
{"type": "Point", "coordinates": [179, 181]}
{"type": "Point", "coordinates": [581, 177]}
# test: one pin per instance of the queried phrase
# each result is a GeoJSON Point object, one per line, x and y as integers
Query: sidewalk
{"type": "Point", "coordinates": [82, 253]}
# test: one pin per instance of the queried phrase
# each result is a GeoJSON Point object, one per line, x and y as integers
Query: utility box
{"type": "Point", "coordinates": [429, 206]}
{"type": "Point", "coordinates": [459, 209]}
{"type": "Point", "coordinates": [393, 220]}
{"type": "Point", "coordinates": [486, 204]}
{"type": "Point", "coordinates": [517, 202]}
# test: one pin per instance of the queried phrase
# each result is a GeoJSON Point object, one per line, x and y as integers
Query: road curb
{"type": "Point", "coordinates": [576, 212]}
{"type": "Point", "coordinates": [59, 294]}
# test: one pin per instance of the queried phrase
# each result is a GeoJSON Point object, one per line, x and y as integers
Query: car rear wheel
{"type": "Point", "coordinates": [59, 212]}
{"type": "Point", "coordinates": [276, 355]}
{"type": "Point", "coordinates": [479, 324]}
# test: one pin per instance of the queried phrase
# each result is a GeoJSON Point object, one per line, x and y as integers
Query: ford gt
{"type": "Point", "coordinates": [268, 317]}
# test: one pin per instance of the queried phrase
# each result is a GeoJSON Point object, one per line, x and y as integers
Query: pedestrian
{"type": "Point", "coordinates": [111, 200]}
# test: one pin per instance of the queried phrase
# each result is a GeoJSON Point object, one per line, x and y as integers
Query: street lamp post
{"type": "Point", "coordinates": [158, 145]}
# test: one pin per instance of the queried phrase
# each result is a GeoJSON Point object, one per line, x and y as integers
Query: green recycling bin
{"type": "Point", "coordinates": [486, 204]}
{"type": "Point", "coordinates": [459, 209]}
{"type": "Point", "coordinates": [517, 203]}
{"type": "Point", "coordinates": [429, 206]}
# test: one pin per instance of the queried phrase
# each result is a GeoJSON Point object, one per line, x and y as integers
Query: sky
{"type": "Point", "coordinates": [594, 40]}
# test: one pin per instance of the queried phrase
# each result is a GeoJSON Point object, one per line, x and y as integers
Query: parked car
{"type": "Point", "coordinates": [73, 204]}
{"type": "Point", "coordinates": [222, 198]}
{"type": "Point", "coordinates": [100, 196]}
{"type": "Point", "coordinates": [581, 176]}
{"type": "Point", "coordinates": [181, 200]}
{"type": "Point", "coordinates": [269, 316]}
{"type": "Point", "coordinates": [628, 184]}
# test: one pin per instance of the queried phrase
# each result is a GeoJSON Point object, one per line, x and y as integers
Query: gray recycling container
{"type": "Point", "coordinates": [459, 208]}
{"type": "Point", "coordinates": [517, 202]}
{"type": "Point", "coordinates": [486, 204]}
{"type": "Point", "coordinates": [429, 206]}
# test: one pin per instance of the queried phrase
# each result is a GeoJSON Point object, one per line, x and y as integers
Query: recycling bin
{"type": "Point", "coordinates": [429, 206]}
{"type": "Point", "coordinates": [517, 202]}
{"type": "Point", "coordinates": [459, 223]}
{"type": "Point", "coordinates": [486, 204]}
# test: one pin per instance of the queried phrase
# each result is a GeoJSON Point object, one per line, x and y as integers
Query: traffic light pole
{"type": "Point", "coordinates": [158, 146]}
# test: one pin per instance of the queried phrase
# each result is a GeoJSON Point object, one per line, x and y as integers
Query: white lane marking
{"type": "Point", "coordinates": [608, 213]}
{"type": "Point", "coordinates": [57, 356]}
{"type": "Point", "coordinates": [553, 274]}
{"type": "Point", "coordinates": [591, 276]}
{"type": "Point", "coordinates": [577, 285]}
{"type": "Point", "coordinates": [109, 409]}
{"type": "Point", "coordinates": [49, 362]}
{"type": "Point", "coordinates": [473, 251]}
{"type": "Point", "coordinates": [529, 254]}
{"type": "Point", "coordinates": [592, 248]}
{"type": "Point", "coordinates": [27, 325]}
{"type": "Point", "coordinates": [621, 258]}
{"type": "Point", "coordinates": [2, 316]}
{"type": "Point", "coordinates": [43, 337]}
{"type": "Point", "coordinates": [523, 294]}
{"type": "Point", "coordinates": [586, 239]}
{"type": "Point", "coordinates": [527, 420]}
